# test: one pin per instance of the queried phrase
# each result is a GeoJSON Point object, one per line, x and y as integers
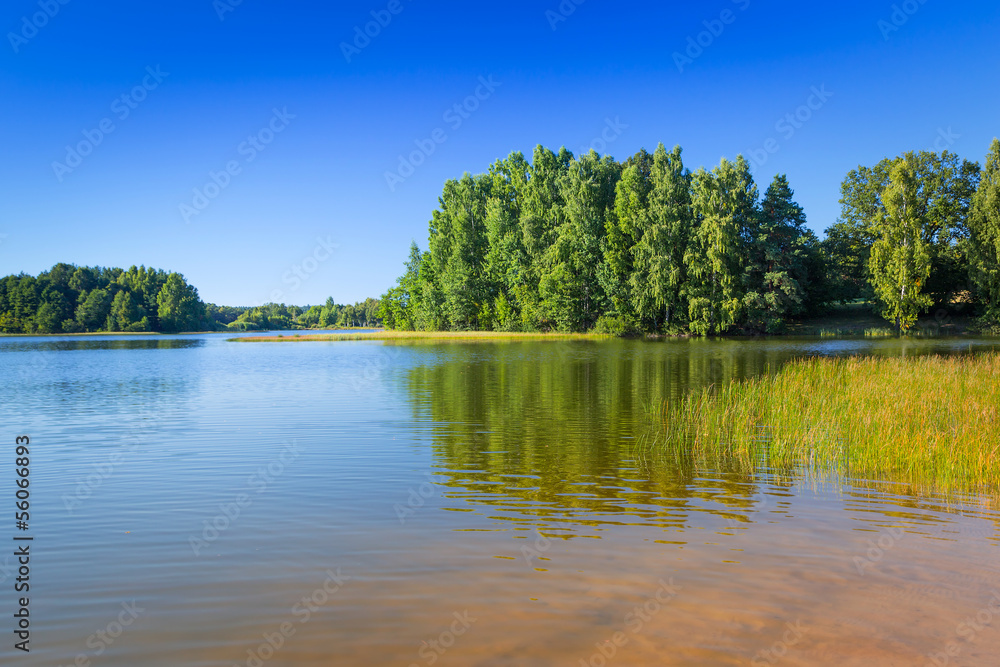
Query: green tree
{"type": "Point", "coordinates": [780, 255]}
{"type": "Point", "coordinates": [92, 313]}
{"type": "Point", "coordinates": [944, 189]}
{"type": "Point", "coordinates": [542, 212]}
{"type": "Point", "coordinates": [984, 235]}
{"type": "Point", "coordinates": [85, 279]}
{"type": "Point", "coordinates": [623, 231]}
{"type": "Point", "coordinates": [458, 245]}
{"type": "Point", "coordinates": [506, 259]}
{"type": "Point", "coordinates": [126, 313]}
{"type": "Point", "coordinates": [658, 277]}
{"type": "Point", "coordinates": [178, 305]}
{"type": "Point", "coordinates": [55, 308]}
{"type": "Point", "coordinates": [724, 204]}
{"type": "Point", "coordinates": [396, 308]}
{"type": "Point", "coordinates": [329, 314]}
{"type": "Point", "coordinates": [571, 295]}
{"type": "Point", "coordinates": [900, 260]}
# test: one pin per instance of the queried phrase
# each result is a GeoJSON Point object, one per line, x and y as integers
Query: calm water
{"type": "Point", "coordinates": [456, 504]}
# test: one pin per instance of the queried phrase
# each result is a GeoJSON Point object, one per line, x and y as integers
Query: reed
{"type": "Point", "coordinates": [931, 421]}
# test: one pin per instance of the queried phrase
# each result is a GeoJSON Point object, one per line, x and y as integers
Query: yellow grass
{"type": "Point", "coordinates": [929, 421]}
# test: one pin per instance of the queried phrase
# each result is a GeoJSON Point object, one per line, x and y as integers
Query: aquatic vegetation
{"type": "Point", "coordinates": [880, 332]}
{"type": "Point", "coordinates": [929, 421]}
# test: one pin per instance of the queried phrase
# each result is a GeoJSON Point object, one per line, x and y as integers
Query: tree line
{"type": "Point", "coordinates": [72, 299]}
{"type": "Point", "coordinates": [646, 245]}
{"type": "Point", "coordinates": [272, 316]}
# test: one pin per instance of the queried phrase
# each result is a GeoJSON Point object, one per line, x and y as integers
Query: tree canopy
{"type": "Point", "coordinates": [575, 243]}
{"type": "Point", "coordinates": [571, 243]}
{"type": "Point", "coordinates": [72, 299]}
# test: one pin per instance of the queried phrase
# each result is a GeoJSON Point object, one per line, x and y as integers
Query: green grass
{"type": "Point", "coordinates": [424, 335]}
{"type": "Point", "coordinates": [931, 422]}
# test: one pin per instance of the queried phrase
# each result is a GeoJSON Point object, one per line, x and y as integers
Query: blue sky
{"type": "Point", "coordinates": [209, 85]}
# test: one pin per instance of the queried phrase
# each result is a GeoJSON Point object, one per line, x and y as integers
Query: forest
{"type": "Point", "coordinates": [587, 243]}
{"type": "Point", "coordinates": [72, 299]}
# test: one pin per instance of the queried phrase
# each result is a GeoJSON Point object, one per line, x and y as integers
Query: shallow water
{"type": "Point", "coordinates": [457, 504]}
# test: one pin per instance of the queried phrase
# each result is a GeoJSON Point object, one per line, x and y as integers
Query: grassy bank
{"type": "Point", "coordinates": [422, 335]}
{"type": "Point", "coordinates": [857, 319]}
{"type": "Point", "coordinates": [931, 422]}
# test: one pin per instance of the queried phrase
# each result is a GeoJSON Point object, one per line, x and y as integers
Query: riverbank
{"type": "Point", "coordinates": [928, 421]}
{"type": "Point", "coordinates": [423, 335]}
{"type": "Point", "coordinates": [858, 319]}
{"type": "Point", "coordinates": [848, 321]}
{"type": "Point", "coordinates": [160, 333]}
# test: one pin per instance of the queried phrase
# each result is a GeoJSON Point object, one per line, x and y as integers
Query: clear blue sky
{"type": "Point", "coordinates": [323, 175]}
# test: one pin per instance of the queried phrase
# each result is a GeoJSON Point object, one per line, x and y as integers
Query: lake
{"type": "Point", "coordinates": [196, 501]}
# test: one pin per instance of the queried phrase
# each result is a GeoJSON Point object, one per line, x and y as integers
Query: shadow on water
{"type": "Point", "coordinates": [90, 344]}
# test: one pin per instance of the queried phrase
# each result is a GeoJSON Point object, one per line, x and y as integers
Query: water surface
{"type": "Point", "coordinates": [489, 503]}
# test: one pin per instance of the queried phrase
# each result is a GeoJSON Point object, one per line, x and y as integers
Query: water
{"type": "Point", "coordinates": [363, 503]}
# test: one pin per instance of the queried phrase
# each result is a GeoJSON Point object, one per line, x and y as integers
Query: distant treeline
{"type": "Point", "coordinates": [578, 243]}
{"type": "Point", "coordinates": [72, 299]}
{"type": "Point", "coordinates": [331, 315]}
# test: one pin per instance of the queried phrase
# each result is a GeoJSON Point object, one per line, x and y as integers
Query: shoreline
{"type": "Point", "coordinates": [161, 333]}
{"type": "Point", "coordinates": [388, 335]}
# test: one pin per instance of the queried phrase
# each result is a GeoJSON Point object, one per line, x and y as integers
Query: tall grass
{"type": "Point", "coordinates": [424, 335]}
{"type": "Point", "coordinates": [929, 421]}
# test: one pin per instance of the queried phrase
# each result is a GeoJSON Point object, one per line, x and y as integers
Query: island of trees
{"type": "Point", "coordinates": [587, 243]}
{"type": "Point", "coordinates": [72, 299]}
